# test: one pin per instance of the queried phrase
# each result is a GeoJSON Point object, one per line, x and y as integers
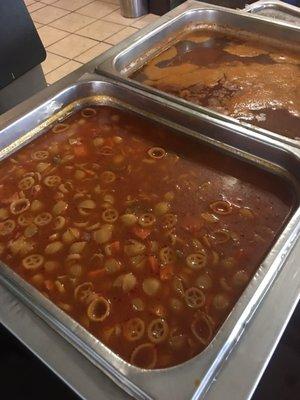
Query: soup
{"type": "Point", "coordinates": [146, 238]}
{"type": "Point", "coordinates": [245, 79]}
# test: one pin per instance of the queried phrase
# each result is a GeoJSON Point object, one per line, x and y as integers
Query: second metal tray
{"type": "Point", "coordinates": [191, 379]}
{"type": "Point", "coordinates": [122, 60]}
{"type": "Point", "coordinates": [276, 10]}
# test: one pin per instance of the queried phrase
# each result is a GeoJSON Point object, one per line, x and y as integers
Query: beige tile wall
{"type": "Point", "coordinates": [76, 31]}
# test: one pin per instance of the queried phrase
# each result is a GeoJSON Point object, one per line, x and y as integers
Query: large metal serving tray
{"type": "Point", "coordinates": [275, 9]}
{"type": "Point", "coordinates": [122, 60]}
{"type": "Point", "coordinates": [191, 379]}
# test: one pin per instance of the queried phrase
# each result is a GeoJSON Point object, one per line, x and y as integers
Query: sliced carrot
{"type": "Point", "coordinates": [166, 272]}
{"type": "Point", "coordinates": [153, 264]}
{"type": "Point", "coordinates": [141, 233]}
{"type": "Point", "coordinates": [89, 172]}
{"type": "Point", "coordinates": [115, 247]}
{"type": "Point", "coordinates": [80, 150]}
{"type": "Point", "coordinates": [96, 274]}
{"type": "Point", "coordinates": [49, 284]}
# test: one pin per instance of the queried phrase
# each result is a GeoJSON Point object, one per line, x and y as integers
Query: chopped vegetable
{"type": "Point", "coordinates": [153, 264]}
{"type": "Point", "coordinates": [80, 151]}
{"type": "Point", "coordinates": [96, 274]}
{"type": "Point", "coordinates": [166, 272]}
{"type": "Point", "coordinates": [141, 233]}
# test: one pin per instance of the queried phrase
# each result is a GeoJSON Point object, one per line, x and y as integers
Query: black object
{"type": "Point", "coordinates": [230, 3]}
{"type": "Point", "coordinates": [161, 7]}
{"type": "Point", "coordinates": [21, 48]}
{"type": "Point", "coordinates": [281, 380]}
{"type": "Point", "coordinates": [24, 377]}
{"type": "Point", "coordinates": [21, 52]}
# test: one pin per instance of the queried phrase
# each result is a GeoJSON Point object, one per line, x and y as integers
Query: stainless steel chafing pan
{"type": "Point", "coordinates": [122, 60]}
{"type": "Point", "coordinates": [191, 379]}
{"type": "Point", "coordinates": [275, 9]}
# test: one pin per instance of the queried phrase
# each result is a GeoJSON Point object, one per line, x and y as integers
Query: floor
{"type": "Point", "coordinates": [76, 31]}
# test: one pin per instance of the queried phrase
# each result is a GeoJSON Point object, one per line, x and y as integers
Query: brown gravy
{"type": "Point", "coordinates": [247, 80]}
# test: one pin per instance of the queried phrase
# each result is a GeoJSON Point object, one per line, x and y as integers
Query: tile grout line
{"type": "Point", "coordinates": [46, 47]}
{"type": "Point", "coordinates": [69, 12]}
{"type": "Point", "coordinates": [62, 66]}
{"type": "Point", "coordinates": [67, 59]}
{"type": "Point", "coordinates": [100, 19]}
{"type": "Point", "coordinates": [96, 19]}
{"type": "Point", "coordinates": [72, 33]}
{"type": "Point", "coordinates": [116, 23]}
{"type": "Point", "coordinates": [72, 11]}
{"type": "Point", "coordinates": [89, 49]}
{"type": "Point", "coordinates": [118, 7]}
{"type": "Point", "coordinates": [104, 41]}
{"type": "Point", "coordinates": [90, 23]}
{"type": "Point", "coordinates": [103, 16]}
{"type": "Point", "coordinates": [135, 20]}
{"type": "Point", "coordinates": [137, 29]}
{"type": "Point", "coordinates": [43, 6]}
{"type": "Point", "coordinates": [69, 34]}
{"type": "Point", "coordinates": [53, 5]}
{"type": "Point", "coordinates": [57, 67]}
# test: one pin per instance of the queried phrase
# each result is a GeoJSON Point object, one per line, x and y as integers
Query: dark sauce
{"type": "Point", "coordinates": [277, 121]}
{"type": "Point", "coordinates": [239, 96]}
{"type": "Point", "coordinates": [212, 53]}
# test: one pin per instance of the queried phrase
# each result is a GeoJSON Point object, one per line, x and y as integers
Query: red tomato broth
{"type": "Point", "coordinates": [202, 222]}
